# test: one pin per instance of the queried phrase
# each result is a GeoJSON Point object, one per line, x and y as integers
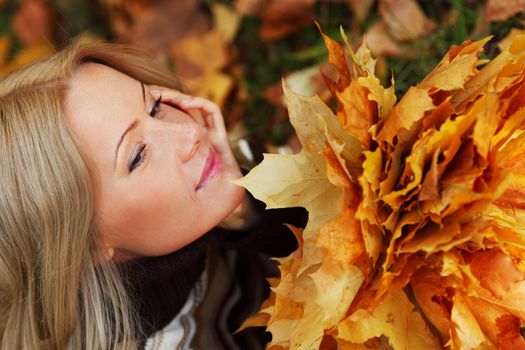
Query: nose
{"type": "Point", "coordinates": [179, 134]}
{"type": "Point", "coordinates": [187, 137]}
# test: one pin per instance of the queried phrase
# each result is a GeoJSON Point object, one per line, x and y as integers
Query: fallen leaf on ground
{"type": "Point", "coordinates": [404, 19]}
{"type": "Point", "coordinates": [361, 8]}
{"type": "Point", "coordinates": [34, 22]}
{"type": "Point", "coordinates": [500, 10]}
{"type": "Point", "coordinates": [5, 45]}
{"type": "Point", "coordinates": [381, 43]}
{"type": "Point", "coordinates": [201, 60]}
{"type": "Point", "coordinates": [27, 55]}
{"type": "Point", "coordinates": [279, 17]}
{"type": "Point", "coordinates": [154, 25]}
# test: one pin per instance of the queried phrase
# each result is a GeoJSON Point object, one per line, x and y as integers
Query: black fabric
{"type": "Point", "coordinates": [159, 286]}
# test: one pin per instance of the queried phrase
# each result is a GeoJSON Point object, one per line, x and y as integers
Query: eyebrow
{"type": "Point", "coordinates": [129, 128]}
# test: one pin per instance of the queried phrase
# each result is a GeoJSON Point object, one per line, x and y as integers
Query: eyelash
{"type": "Point", "coordinates": [143, 152]}
{"type": "Point", "coordinates": [155, 110]}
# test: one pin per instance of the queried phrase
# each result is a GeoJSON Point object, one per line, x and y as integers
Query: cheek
{"type": "Point", "coordinates": [221, 203]}
{"type": "Point", "coordinates": [158, 205]}
{"type": "Point", "coordinates": [158, 216]}
{"type": "Point", "coordinates": [225, 199]}
{"type": "Point", "coordinates": [156, 212]}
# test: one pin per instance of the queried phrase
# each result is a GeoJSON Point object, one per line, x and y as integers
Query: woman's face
{"type": "Point", "coordinates": [150, 196]}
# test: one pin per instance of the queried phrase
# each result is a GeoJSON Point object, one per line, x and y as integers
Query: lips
{"type": "Point", "coordinates": [212, 167]}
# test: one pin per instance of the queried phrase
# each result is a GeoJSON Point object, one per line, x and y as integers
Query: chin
{"type": "Point", "coordinates": [232, 200]}
{"type": "Point", "coordinates": [239, 195]}
{"type": "Point", "coordinates": [235, 191]}
{"type": "Point", "coordinates": [231, 195]}
{"type": "Point", "coordinates": [236, 195]}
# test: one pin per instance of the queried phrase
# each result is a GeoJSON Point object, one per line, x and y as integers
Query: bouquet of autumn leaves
{"type": "Point", "coordinates": [416, 229]}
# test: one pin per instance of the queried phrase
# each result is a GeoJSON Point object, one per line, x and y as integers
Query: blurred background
{"type": "Point", "coordinates": [236, 52]}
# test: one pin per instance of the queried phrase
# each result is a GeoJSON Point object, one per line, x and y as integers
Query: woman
{"type": "Point", "coordinates": [119, 226]}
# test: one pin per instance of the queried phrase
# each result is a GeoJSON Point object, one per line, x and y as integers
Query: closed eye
{"type": "Point", "coordinates": [138, 159]}
{"type": "Point", "coordinates": [156, 108]}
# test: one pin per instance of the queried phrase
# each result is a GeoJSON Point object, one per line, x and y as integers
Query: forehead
{"type": "Point", "coordinates": [101, 102]}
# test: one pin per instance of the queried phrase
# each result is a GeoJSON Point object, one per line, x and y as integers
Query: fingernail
{"type": "Point", "coordinates": [186, 100]}
{"type": "Point", "coordinates": [155, 93]}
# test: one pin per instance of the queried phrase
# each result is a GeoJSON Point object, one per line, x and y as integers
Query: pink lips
{"type": "Point", "coordinates": [212, 167]}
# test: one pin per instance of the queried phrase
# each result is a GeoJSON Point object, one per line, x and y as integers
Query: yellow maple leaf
{"type": "Point", "coordinates": [394, 318]}
{"type": "Point", "coordinates": [421, 198]}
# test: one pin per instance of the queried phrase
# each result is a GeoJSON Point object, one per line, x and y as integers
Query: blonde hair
{"type": "Point", "coordinates": [51, 294]}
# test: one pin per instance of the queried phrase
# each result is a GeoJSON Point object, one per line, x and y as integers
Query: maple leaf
{"type": "Point", "coordinates": [361, 8]}
{"type": "Point", "coordinates": [394, 318]}
{"type": "Point", "coordinates": [279, 18]}
{"type": "Point", "coordinates": [416, 208]}
{"type": "Point", "coordinates": [33, 24]}
{"type": "Point", "coordinates": [400, 22]}
{"type": "Point", "coordinates": [405, 19]}
{"type": "Point", "coordinates": [200, 60]}
{"type": "Point", "coordinates": [498, 10]}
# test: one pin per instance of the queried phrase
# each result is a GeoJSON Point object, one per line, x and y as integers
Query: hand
{"type": "Point", "coordinates": [177, 99]}
{"type": "Point", "coordinates": [205, 113]}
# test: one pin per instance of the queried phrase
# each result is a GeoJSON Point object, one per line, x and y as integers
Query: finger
{"type": "Point", "coordinates": [211, 111]}
{"type": "Point", "coordinates": [172, 95]}
{"type": "Point", "coordinates": [215, 121]}
{"type": "Point", "coordinates": [176, 99]}
{"type": "Point", "coordinates": [213, 117]}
